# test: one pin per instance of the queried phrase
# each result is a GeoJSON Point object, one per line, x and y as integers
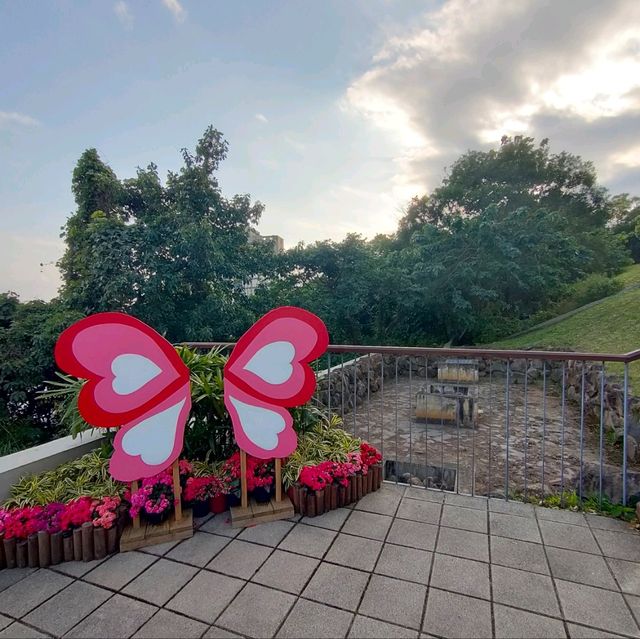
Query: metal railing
{"type": "Point", "coordinates": [547, 422]}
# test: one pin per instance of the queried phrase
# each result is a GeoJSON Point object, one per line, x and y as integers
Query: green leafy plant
{"type": "Point", "coordinates": [88, 475]}
{"type": "Point", "coordinates": [326, 440]}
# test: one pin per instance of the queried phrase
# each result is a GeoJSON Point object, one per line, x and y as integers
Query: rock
{"type": "Point", "coordinates": [405, 478]}
{"type": "Point", "coordinates": [632, 448]}
{"type": "Point", "coordinates": [415, 481]}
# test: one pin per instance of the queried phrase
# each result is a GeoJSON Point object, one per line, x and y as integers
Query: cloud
{"type": "Point", "coordinates": [472, 71]}
{"type": "Point", "coordinates": [178, 11]}
{"type": "Point", "coordinates": [261, 118]}
{"type": "Point", "coordinates": [11, 118]}
{"type": "Point", "coordinates": [123, 13]}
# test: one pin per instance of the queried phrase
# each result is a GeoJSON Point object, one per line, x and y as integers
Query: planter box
{"type": "Point", "coordinates": [313, 503]}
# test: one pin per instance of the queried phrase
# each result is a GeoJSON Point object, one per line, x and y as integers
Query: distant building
{"type": "Point", "coordinates": [277, 244]}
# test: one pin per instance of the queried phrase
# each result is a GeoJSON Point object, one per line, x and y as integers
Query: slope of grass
{"type": "Point", "coordinates": [612, 326]}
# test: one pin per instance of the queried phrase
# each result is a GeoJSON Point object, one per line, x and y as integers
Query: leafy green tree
{"type": "Point", "coordinates": [520, 174]}
{"type": "Point", "coordinates": [173, 254]}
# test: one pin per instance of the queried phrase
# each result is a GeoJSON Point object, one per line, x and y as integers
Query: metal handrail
{"type": "Point", "coordinates": [494, 353]}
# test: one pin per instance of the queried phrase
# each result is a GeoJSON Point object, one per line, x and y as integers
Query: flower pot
{"type": "Point", "coordinates": [302, 500]}
{"type": "Point", "coordinates": [334, 497]}
{"type": "Point", "coordinates": [87, 541]}
{"type": "Point", "coordinates": [200, 508]}
{"type": "Point", "coordinates": [320, 501]}
{"type": "Point", "coordinates": [3, 563]}
{"type": "Point", "coordinates": [369, 478]}
{"type": "Point", "coordinates": [293, 496]}
{"type": "Point", "coordinates": [233, 500]}
{"type": "Point", "coordinates": [218, 504]}
{"type": "Point", "coordinates": [347, 493]}
{"type": "Point", "coordinates": [155, 519]}
{"type": "Point", "coordinates": [358, 486]}
{"type": "Point", "coordinates": [262, 494]}
{"type": "Point", "coordinates": [342, 496]}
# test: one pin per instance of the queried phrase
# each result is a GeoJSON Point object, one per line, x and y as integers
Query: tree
{"type": "Point", "coordinates": [519, 174]}
{"type": "Point", "coordinates": [175, 255]}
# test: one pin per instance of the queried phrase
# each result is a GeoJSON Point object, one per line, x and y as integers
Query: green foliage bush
{"type": "Point", "coordinates": [88, 475]}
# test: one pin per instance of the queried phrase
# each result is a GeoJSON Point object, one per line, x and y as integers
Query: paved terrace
{"type": "Point", "coordinates": [402, 563]}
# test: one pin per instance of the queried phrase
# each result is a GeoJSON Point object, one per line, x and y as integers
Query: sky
{"type": "Point", "coordinates": [336, 112]}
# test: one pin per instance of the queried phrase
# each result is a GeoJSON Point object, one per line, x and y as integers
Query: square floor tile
{"type": "Point", "coordinates": [26, 594]}
{"type": "Point", "coordinates": [286, 571]}
{"type": "Point", "coordinates": [512, 507]}
{"type": "Point", "coordinates": [395, 601]}
{"type": "Point", "coordinates": [461, 575]}
{"type": "Point", "coordinates": [464, 543]}
{"type": "Point", "coordinates": [220, 633]}
{"type": "Point", "coordinates": [581, 567]}
{"type": "Point", "coordinates": [206, 596]}
{"type": "Point", "coordinates": [308, 540]}
{"type": "Point", "coordinates": [199, 550]}
{"type": "Point", "coordinates": [564, 516]}
{"type": "Point", "coordinates": [220, 525]}
{"type": "Point", "coordinates": [518, 624]}
{"type": "Point", "coordinates": [256, 612]}
{"type": "Point", "coordinates": [18, 630]}
{"type": "Point", "coordinates": [5, 621]}
{"type": "Point", "coordinates": [159, 549]}
{"type": "Point", "coordinates": [77, 568]}
{"type": "Point", "coordinates": [332, 520]}
{"type": "Point", "coordinates": [609, 523]}
{"type": "Point", "coordinates": [63, 611]}
{"type": "Point", "coordinates": [413, 533]}
{"type": "Point", "coordinates": [464, 518]}
{"type": "Point", "coordinates": [367, 628]}
{"type": "Point", "coordinates": [169, 625]}
{"type": "Point", "coordinates": [368, 525]}
{"type": "Point", "coordinates": [120, 569]}
{"type": "Point", "coordinates": [568, 536]}
{"type": "Point", "coordinates": [518, 554]}
{"type": "Point", "coordinates": [425, 494]}
{"type": "Point", "coordinates": [427, 512]}
{"type": "Point", "coordinates": [119, 617]}
{"type": "Point", "coordinates": [405, 563]}
{"type": "Point", "coordinates": [337, 586]}
{"type": "Point", "coordinates": [619, 545]}
{"type": "Point", "coordinates": [627, 573]}
{"type": "Point", "coordinates": [452, 615]}
{"type": "Point", "coordinates": [240, 559]}
{"type": "Point", "coordinates": [514, 527]}
{"type": "Point", "coordinates": [467, 501]}
{"type": "Point", "coordinates": [13, 576]}
{"type": "Point", "coordinates": [354, 552]}
{"type": "Point", "coordinates": [524, 590]}
{"type": "Point", "coordinates": [315, 621]}
{"type": "Point", "coordinates": [160, 582]}
{"type": "Point", "coordinates": [583, 632]}
{"type": "Point", "coordinates": [595, 607]}
{"type": "Point", "coordinates": [384, 502]}
{"type": "Point", "coordinates": [269, 534]}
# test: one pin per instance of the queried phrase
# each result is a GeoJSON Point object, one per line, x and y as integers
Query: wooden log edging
{"type": "Point", "coordinates": [43, 549]}
{"type": "Point", "coordinates": [313, 503]}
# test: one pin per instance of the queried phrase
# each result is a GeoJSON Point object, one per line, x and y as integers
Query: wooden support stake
{"type": "Point", "coordinates": [244, 498]}
{"type": "Point", "coordinates": [177, 491]}
{"type": "Point", "coordinates": [278, 479]}
{"type": "Point", "coordinates": [136, 519]}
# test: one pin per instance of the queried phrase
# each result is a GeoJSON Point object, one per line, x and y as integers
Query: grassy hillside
{"type": "Point", "coordinates": [612, 326]}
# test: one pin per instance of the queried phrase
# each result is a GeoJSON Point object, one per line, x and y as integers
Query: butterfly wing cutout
{"type": "Point", "coordinates": [135, 379]}
{"type": "Point", "coordinates": [269, 370]}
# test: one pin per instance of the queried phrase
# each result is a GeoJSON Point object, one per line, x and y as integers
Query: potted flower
{"type": "Point", "coordinates": [230, 473]}
{"type": "Point", "coordinates": [219, 490]}
{"type": "Point", "coordinates": [154, 499]}
{"type": "Point", "coordinates": [186, 471]}
{"type": "Point", "coordinates": [197, 492]}
{"type": "Point", "coordinates": [262, 472]}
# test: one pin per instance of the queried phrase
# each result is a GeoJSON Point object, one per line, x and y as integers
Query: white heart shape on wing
{"type": "Point", "coordinates": [131, 372]}
{"type": "Point", "coordinates": [153, 438]}
{"type": "Point", "coordinates": [272, 362]}
{"type": "Point", "coordinates": [260, 425]}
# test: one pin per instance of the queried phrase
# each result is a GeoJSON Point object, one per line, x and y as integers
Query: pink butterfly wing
{"type": "Point", "coordinates": [269, 370]}
{"type": "Point", "coordinates": [135, 379]}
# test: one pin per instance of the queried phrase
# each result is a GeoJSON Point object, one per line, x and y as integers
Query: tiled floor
{"type": "Point", "coordinates": [402, 563]}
